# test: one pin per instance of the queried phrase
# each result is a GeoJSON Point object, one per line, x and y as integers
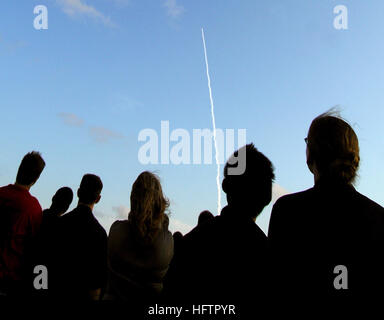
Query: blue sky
{"type": "Point", "coordinates": [81, 91]}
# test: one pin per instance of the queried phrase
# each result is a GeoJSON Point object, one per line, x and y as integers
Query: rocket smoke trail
{"type": "Point", "coordinates": [214, 126]}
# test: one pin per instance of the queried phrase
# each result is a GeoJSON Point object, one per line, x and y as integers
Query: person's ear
{"type": "Point", "coordinates": [98, 198]}
{"type": "Point", "coordinates": [309, 160]}
{"type": "Point", "coordinates": [78, 193]}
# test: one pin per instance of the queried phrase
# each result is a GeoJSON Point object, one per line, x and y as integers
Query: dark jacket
{"type": "Point", "coordinates": [46, 248]}
{"type": "Point", "coordinates": [223, 260]}
{"type": "Point", "coordinates": [137, 267]}
{"type": "Point", "coordinates": [313, 231]}
{"type": "Point", "coordinates": [79, 263]}
{"type": "Point", "coordinates": [47, 235]}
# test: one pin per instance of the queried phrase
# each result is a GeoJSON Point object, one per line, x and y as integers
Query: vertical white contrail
{"type": "Point", "coordinates": [214, 126]}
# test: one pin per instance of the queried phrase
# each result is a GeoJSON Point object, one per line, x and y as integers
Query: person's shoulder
{"type": "Point", "coordinates": [296, 195]}
{"type": "Point", "coordinates": [203, 233]}
{"type": "Point", "coordinates": [369, 202]}
{"type": "Point", "coordinates": [75, 214]}
{"type": "Point", "coordinates": [260, 233]}
{"type": "Point", "coordinates": [372, 210]}
{"type": "Point", "coordinates": [68, 215]}
{"type": "Point", "coordinates": [35, 203]}
{"type": "Point", "coordinates": [204, 227]}
{"type": "Point", "coordinates": [102, 232]}
{"type": "Point", "coordinates": [69, 219]}
{"type": "Point", "coordinates": [47, 215]}
{"type": "Point", "coordinates": [14, 193]}
{"type": "Point", "coordinates": [5, 188]}
{"type": "Point", "coordinates": [29, 204]}
{"type": "Point", "coordinates": [98, 228]}
{"type": "Point", "coordinates": [195, 233]}
{"type": "Point", "coordinates": [292, 198]}
{"type": "Point", "coordinates": [285, 206]}
{"type": "Point", "coordinates": [118, 225]}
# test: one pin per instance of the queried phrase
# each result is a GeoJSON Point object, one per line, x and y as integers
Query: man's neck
{"type": "Point", "coordinates": [241, 210]}
{"type": "Point", "coordinates": [316, 177]}
{"type": "Point", "coordinates": [315, 172]}
{"type": "Point", "coordinates": [85, 204]}
{"type": "Point", "coordinates": [23, 186]}
{"type": "Point", "coordinates": [56, 212]}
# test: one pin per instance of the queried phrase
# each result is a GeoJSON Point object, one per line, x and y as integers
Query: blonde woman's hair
{"type": "Point", "coordinates": [148, 205]}
{"type": "Point", "coordinates": [334, 147]}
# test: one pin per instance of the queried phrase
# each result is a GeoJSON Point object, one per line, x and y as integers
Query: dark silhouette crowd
{"type": "Point", "coordinates": [227, 258]}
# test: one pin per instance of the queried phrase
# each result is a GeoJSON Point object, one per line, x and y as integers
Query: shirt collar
{"type": "Point", "coordinates": [333, 184]}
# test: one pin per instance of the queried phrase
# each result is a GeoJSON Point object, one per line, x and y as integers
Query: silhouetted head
{"type": "Point", "coordinates": [90, 189]}
{"type": "Point", "coordinates": [204, 217]}
{"type": "Point", "coordinates": [251, 191]}
{"type": "Point", "coordinates": [148, 205]}
{"type": "Point", "coordinates": [30, 169]}
{"type": "Point", "coordinates": [177, 236]}
{"type": "Point", "coordinates": [62, 200]}
{"type": "Point", "coordinates": [332, 148]}
{"type": "Point", "coordinates": [177, 239]}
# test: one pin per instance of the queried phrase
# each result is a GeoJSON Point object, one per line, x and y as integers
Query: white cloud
{"type": "Point", "coordinates": [103, 135]}
{"type": "Point", "coordinates": [121, 212]}
{"type": "Point", "coordinates": [98, 133]}
{"type": "Point", "coordinates": [71, 119]}
{"type": "Point", "coordinates": [79, 8]}
{"type": "Point", "coordinates": [177, 225]}
{"type": "Point", "coordinates": [173, 9]}
{"type": "Point", "coordinates": [277, 192]}
{"type": "Point", "coordinates": [106, 220]}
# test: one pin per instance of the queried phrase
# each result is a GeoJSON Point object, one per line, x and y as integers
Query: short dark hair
{"type": "Point", "coordinates": [333, 146]}
{"type": "Point", "coordinates": [62, 198]}
{"type": "Point", "coordinates": [204, 217]}
{"type": "Point", "coordinates": [90, 188]}
{"type": "Point", "coordinates": [256, 179]}
{"type": "Point", "coordinates": [30, 168]}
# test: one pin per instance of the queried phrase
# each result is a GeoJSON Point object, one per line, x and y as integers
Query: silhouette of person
{"type": "Point", "coordinates": [177, 235]}
{"type": "Point", "coordinates": [20, 220]}
{"type": "Point", "coordinates": [60, 203]}
{"type": "Point", "coordinates": [177, 238]}
{"type": "Point", "coordinates": [47, 242]}
{"type": "Point", "coordinates": [204, 217]}
{"type": "Point", "coordinates": [226, 257]}
{"type": "Point", "coordinates": [314, 231]}
{"type": "Point", "coordinates": [79, 267]}
{"type": "Point", "coordinates": [140, 249]}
